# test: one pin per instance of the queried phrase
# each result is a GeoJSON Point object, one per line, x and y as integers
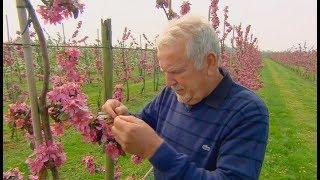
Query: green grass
{"type": "Point", "coordinates": [291, 100]}
{"type": "Point", "coordinates": [291, 150]}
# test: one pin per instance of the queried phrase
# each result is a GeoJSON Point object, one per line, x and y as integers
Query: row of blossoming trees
{"type": "Point", "coordinates": [301, 59]}
{"type": "Point", "coordinates": [66, 104]}
{"type": "Point", "coordinates": [128, 55]}
{"type": "Point", "coordinates": [243, 59]}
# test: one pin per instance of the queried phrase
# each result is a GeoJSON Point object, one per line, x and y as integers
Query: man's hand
{"type": "Point", "coordinates": [135, 136]}
{"type": "Point", "coordinates": [114, 108]}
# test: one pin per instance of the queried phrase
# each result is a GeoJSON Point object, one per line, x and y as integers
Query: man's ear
{"type": "Point", "coordinates": [212, 63]}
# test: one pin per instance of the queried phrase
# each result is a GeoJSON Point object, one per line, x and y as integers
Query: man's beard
{"type": "Point", "coordinates": [181, 98]}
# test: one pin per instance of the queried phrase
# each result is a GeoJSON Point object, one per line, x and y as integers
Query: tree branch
{"type": "Point", "coordinates": [42, 102]}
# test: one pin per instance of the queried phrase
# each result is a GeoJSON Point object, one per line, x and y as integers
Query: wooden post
{"type": "Point", "coordinates": [27, 51]}
{"type": "Point", "coordinates": [8, 34]}
{"type": "Point", "coordinates": [42, 100]}
{"type": "Point", "coordinates": [144, 70]}
{"type": "Point", "coordinates": [140, 69]}
{"type": "Point", "coordinates": [106, 35]}
{"type": "Point", "coordinates": [98, 36]}
{"type": "Point", "coordinates": [64, 36]}
{"type": "Point", "coordinates": [154, 70]}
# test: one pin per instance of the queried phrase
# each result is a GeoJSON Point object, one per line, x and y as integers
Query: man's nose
{"type": "Point", "coordinates": [170, 81]}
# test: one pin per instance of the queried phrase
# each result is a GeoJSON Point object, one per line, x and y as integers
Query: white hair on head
{"type": "Point", "coordinates": [200, 36]}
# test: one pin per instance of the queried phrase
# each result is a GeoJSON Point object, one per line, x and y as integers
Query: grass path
{"type": "Point", "coordinates": [291, 100]}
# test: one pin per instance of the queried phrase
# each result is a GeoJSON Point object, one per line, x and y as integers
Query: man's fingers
{"type": "Point", "coordinates": [111, 112]}
{"type": "Point", "coordinates": [121, 124]}
{"type": "Point", "coordinates": [109, 107]}
{"type": "Point", "coordinates": [130, 119]}
{"type": "Point", "coordinates": [117, 135]}
{"type": "Point", "coordinates": [121, 110]}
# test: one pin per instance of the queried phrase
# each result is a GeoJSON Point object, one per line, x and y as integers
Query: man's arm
{"type": "Point", "coordinates": [150, 112]}
{"type": "Point", "coordinates": [240, 155]}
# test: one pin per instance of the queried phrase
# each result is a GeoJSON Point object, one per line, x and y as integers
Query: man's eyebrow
{"type": "Point", "coordinates": [172, 69]}
{"type": "Point", "coordinates": [177, 68]}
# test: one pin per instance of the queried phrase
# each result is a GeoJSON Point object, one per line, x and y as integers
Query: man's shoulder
{"type": "Point", "coordinates": [247, 99]}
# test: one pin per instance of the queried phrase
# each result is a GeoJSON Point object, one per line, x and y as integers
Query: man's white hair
{"type": "Point", "coordinates": [200, 36]}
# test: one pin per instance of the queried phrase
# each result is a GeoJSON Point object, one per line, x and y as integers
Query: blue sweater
{"type": "Point", "coordinates": [222, 137]}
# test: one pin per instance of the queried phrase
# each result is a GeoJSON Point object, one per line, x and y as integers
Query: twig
{"type": "Point", "coordinates": [146, 175]}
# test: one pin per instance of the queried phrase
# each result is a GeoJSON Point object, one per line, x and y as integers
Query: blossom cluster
{"type": "Point", "coordinates": [12, 174]}
{"type": "Point", "coordinates": [248, 59]}
{"type": "Point", "coordinates": [88, 161]}
{"type": "Point", "coordinates": [19, 116]}
{"type": "Point", "coordinates": [67, 61]}
{"type": "Point", "coordinates": [184, 8]}
{"type": "Point", "coordinates": [54, 12]}
{"type": "Point", "coordinates": [213, 14]}
{"type": "Point", "coordinates": [44, 153]}
{"type": "Point", "coordinates": [68, 102]}
{"type": "Point", "coordinates": [164, 4]}
{"type": "Point", "coordinates": [118, 93]}
{"type": "Point", "coordinates": [126, 34]}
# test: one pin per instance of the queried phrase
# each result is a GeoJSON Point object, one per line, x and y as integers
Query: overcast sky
{"type": "Point", "coordinates": [278, 24]}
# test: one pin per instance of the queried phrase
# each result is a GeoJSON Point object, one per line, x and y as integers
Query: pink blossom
{"type": "Point", "coordinates": [118, 94]}
{"type": "Point", "coordinates": [185, 8]}
{"type": "Point", "coordinates": [57, 80]}
{"type": "Point", "coordinates": [88, 161]}
{"type": "Point", "coordinates": [13, 174]}
{"type": "Point", "coordinates": [32, 177]}
{"type": "Point", "coordinates": [57, 129]}
{"type": "Point", "coordinates": [19, 123]}
{"type": "Point", "coordinates": [136, 159]}
{"type": "Point", "coordinates": [18, 108]}
{"type": "Point", "coordinates": [74, 76]}
{"type": "Point", "coordinates": [45, 152]}
{"type": "Point", "coordinates": [117, 173]}
{"type": "Point", "coordinates": [175, 15]}
{"type": "Point", "coordinates": [213, 13]}
{"type": "Point", "coordinates": [90, 136]}
{"type": "Point", "coordinates": [73, 52]}
{"type": "Point", "coordinates": [99, 64]}
{"type": "Point", "coordinates": [105, 130]}
{"type": "Point", "coordinates": [143, 61]}
{"type": "Point", "coordinates": [35, 165]}
{"type": "Point", "coordinates": [126, 34]}
{"type": "Point", "coordinates": [113, 150]}
{"type": "Point", "coordinates": [58, 11]}
{"type": "Point", "coordinates": [19, 115]}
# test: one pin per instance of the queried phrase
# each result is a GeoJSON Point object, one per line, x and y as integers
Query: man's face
{"type": "Point", "coordinates": [181, 74]}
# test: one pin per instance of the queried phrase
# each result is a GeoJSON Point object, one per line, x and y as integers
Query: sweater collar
{"type": "Point", "coordinates": [216, 97]}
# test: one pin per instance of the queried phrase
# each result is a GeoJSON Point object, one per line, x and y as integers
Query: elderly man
{"type": "Point", "coordinates": [202, 125]}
